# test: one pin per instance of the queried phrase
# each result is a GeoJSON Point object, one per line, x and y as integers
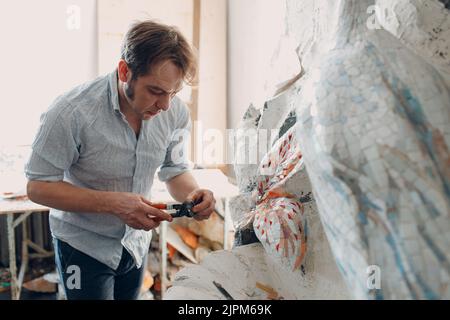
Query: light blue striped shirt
{"type": "Point", "coordinates": [84, 139]}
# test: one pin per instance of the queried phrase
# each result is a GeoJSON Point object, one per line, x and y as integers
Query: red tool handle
{"type": "Point", "coordinates": [161, 206]}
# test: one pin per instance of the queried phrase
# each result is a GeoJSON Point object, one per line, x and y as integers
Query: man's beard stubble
{"type": "Point", "coordinates": [129, 90]}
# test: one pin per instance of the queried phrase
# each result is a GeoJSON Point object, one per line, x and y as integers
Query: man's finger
{"type": "Point", "coordinates": [204, 214]}
{"type": "Point", "coordinates": [206, 203]}
{"type": "Point", "coordinates": [136, 226]}
{"type": "Point", "coordinates": [157, 213]}
{"type": "Point", "coordinates": [199, 217]}
{"type": "Point", "coordinates": [146, 223]}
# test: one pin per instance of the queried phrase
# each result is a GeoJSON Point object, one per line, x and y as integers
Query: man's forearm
{"type": "Point", "coordinates": [65, 196]}
{"type": "Point", "coordinates": [181, 186]}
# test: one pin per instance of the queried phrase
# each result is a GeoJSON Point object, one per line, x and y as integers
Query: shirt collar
{"type": "Point", "coordinates": [114, 93]}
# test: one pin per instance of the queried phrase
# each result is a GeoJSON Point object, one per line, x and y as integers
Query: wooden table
{"type": "Point", "coordinates": [23, 209]}
{"type": "Point", "coordinates": [212, 179]}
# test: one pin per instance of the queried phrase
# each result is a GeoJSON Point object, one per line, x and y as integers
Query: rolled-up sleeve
{"type": "Point", "coordinates": [176, 160]}
{"type": "Point", "coordinates": [55, 147]}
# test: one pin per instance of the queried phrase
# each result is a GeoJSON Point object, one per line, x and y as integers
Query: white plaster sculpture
{"type": "Point", "coordinates": [373, 119]}
{"type": "Point", "coordinates": [374, 130]}
{"type": "Point", "coordinates": [284, 261]}
{"type": "Point", "coordinates": [256, 133]}
{"type": "Point", "coordinates": [276, 268]}
{"type": "Point", "coordinates": [423, 26]}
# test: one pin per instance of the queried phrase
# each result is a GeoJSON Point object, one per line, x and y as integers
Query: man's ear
{"type": "Point", "coordinates": [123, 72]}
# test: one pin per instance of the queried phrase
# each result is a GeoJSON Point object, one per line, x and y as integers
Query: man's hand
{"type": "Point", "coordinates": [204, 209]}
{"type": "Point", "coordinates": [137, 212]}
{"type": "Point", "coordinates": [133, 209]}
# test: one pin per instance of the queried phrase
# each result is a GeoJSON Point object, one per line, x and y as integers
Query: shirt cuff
{"type": "Point", "coordinates": [40, 169]}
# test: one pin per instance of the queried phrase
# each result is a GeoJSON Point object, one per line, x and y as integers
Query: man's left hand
{"type": "Point", "coordinates": [204, 209]}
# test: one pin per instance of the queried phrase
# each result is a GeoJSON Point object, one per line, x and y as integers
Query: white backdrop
{"type": "Point", "coordinates": [48, 46]}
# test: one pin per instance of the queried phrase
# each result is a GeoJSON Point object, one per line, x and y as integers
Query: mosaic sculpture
{"type": "Point", "coordinates": [371, 141]}
{"type": "Point", "coordinates": [292, 256]}
{"type": "Point", "coordinates": [374, 130]}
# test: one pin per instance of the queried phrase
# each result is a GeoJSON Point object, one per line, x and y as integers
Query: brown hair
{"type": "Point", "coordinates": [147, 43]}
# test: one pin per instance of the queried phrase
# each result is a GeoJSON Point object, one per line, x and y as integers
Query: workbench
{"type": "Point", "coordinates": [17, 211]}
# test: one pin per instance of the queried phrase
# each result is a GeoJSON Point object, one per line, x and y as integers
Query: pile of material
{"type": "Point", "coordinates": [5, 279]}
{"type": "Point", "coordinates": [188, 242]}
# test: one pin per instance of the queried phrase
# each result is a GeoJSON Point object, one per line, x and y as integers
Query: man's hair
{"type": "Point", "coordinates": [147, 43]}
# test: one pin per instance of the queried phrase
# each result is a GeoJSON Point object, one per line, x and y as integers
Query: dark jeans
{"type": "Point", "coordinates": [85, 278]}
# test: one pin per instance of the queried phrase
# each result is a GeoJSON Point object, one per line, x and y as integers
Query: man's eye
{"type": "Point", "coordinates": [156, 93]}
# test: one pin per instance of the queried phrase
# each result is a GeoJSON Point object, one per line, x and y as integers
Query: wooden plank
{"type": "Point", "coordinates": [212, 96]}
{"type": "Point", "coordinates": [175, 241]}
{"type": "Point", "coordinates": [195, 89]}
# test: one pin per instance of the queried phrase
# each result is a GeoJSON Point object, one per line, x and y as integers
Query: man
{"type": "Point", "coordinates": [95, 156]}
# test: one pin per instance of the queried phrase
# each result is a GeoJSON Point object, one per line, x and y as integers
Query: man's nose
{"type": "Point", "coordinates": [164, 102]}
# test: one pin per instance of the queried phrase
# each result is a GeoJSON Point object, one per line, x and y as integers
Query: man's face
{"type": "Point", "coordinates": [150, 94]}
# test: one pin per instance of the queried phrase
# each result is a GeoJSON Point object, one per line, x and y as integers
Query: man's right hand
{"type": "Point", "coordinates": [137, 212]}
{"type": "Point", "coordinates": [133, 209]}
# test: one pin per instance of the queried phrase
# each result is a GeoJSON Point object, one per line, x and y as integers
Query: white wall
{"type": "Point", "coordinates": [115, 16]}
{"type": "Point", "coordinates": [45, 51]}
{"type": "Point", "coordinates": [212, 94]}
{"type": "Point", "coordinates": [212, 65]}
{"type": "Point", "coordinates": [255, 29]}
